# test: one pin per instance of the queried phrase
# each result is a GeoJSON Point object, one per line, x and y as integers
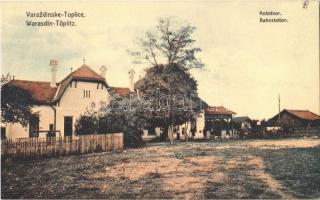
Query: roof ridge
{"type": "Point", "coordinates": [78, 75]}
{"type": "Point", "coordinates": [84, 65]}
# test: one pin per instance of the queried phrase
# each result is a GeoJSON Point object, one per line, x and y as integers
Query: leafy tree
{"type": "Point", "coordinates": [125, 115]}
{"type": "Point", "coordinates": [16, 104]}
{"type": "Point", "coordinates": [171, 53]}
{"type": "Point", "coordinates": [170, 43]}
{"type": "Point", "coordinates": [176, 100]}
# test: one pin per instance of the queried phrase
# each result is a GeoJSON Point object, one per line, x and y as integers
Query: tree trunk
{"type": "Point", "coordinates": [171, 134]}
{"type": "Point", "coordinates": [164, 134]}
{"type": "Point", "coordinates": [186, 133]}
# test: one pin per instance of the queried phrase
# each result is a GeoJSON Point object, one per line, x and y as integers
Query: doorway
{"type": "Point", "coordinates": [68, 126]}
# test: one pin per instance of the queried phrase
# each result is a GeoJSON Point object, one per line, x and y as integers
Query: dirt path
{"type": "Point", "coordinates": [208, 170]}
{"type": "Point", "coordinates": [274, 185]}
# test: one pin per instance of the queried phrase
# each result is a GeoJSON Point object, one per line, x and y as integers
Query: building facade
{"type": "Point", "coordinates": [295, 119]}
{"type": "Point", "coordinates": [58, 105]}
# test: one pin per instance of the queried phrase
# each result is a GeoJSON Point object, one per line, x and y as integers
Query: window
{"type": "Point", "coordinates": [51, 127]}
{"type": "Point", "coordinates": [86, 93]}
{"type": "Point", "coordinates": [50, 132]}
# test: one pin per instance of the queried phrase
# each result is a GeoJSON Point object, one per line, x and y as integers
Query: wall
{"type": "Point", "coordinates": [288, 120]}
{"type": "Point", "coordinates": [200, 122]}
{"type": "Point", "coordinates": [16, 130]}
{"type": "Point", "coordinates": [73, 103]}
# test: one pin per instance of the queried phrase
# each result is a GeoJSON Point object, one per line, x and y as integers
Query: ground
{"type": "Point", "coordinates": [286, 168]}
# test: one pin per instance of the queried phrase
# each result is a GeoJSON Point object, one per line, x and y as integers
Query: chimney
{"type": "Point", "coordinates": [131, 80]}
{"type": "Point", "coordinates": [103, 70]}
{"type": "Point", "coordinates": [53, 64]}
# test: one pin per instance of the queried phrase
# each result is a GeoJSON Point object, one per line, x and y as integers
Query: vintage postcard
{"type": "Point", "coordinates": [159, 99]}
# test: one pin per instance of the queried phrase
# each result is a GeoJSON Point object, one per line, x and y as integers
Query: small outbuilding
{"type": "Point", "coordinates": [242, 122]}
{"type": "Point", "coordinates": [295, 119]}
{"type": "Point", "coordinates": [218, 118]}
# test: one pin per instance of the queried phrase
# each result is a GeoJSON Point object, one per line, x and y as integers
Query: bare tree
{"type": "Point", "coordinates": [170, 43]}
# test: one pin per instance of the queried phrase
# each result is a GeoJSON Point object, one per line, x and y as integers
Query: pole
{"type": "Point", "coordinates": [279, 108]}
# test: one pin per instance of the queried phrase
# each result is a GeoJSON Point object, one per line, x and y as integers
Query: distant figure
{"type": "Point", "coordinates": [184, 132]}
{"type": "Point", "coordinates": [242, 134]}
{"type": "Point", "coordinates": [204, 133]}
{"type": "Point", "coordinates": [211, 133]}
{"type": "Point", "coordinates": [219, 130]}
{"type": "Point", "coordinates": [177, 131]}
{"type": "Point", "coordinates": [193, 133]}
{"type": "Point", "coordinates": [285, 131]}
{"type": "Point", "coordinates": [228, 133]}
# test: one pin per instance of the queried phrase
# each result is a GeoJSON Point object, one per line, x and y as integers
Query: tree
{"type": "Point", "coordinates": [125, 115]}
{"type": "Point", "coordinates": [171, 53]}
{"type": "Point", "coordinates": [114, 117]}
{"type": "Point", "coordinates": [16, 104]}
{"type": "Point", "coordinates": [175, 99]}
{"type": "Point", "coordinates": [170, 43]}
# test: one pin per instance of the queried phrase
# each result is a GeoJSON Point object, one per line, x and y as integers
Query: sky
{"type": "Point", "coordinates": [248, 63]}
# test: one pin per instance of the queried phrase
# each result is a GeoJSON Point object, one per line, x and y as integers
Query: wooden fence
{"type": "Point", "coordinates": [33, 148]}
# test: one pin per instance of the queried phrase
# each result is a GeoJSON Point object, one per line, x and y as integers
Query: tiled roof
{"type": "Point", "coordinates": [86, 73]}
{"type": "Point", "coordinates": [124, 92]}
{"type": "Point", "coordinates": [304, 114]}
{"type": "Point", "coordinates": [41, 92]}
{"type": "Point", "coordinates": [83, 73]}
{"type": "Point", "coordinates": [218, 110]}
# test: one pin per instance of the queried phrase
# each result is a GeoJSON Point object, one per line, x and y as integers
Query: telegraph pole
{"type": "Point", "coordinates": [279, 108]}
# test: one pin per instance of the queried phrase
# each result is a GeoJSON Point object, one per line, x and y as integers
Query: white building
{"type": "Point", "coordinates": [58, 105]}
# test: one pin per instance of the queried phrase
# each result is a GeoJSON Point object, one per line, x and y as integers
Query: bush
{"type": "Point", "coordinates": [132, 137]}
{"type": "Point", "coordinates": [86, 125]}
{"type": "Point", "coordinates": [111, 123]}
